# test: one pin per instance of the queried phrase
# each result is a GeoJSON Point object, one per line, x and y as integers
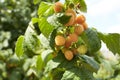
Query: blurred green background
{"type": "Point", "coordinates": [14, 18]}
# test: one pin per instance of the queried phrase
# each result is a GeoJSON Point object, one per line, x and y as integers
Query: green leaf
{"type": "Point", "coordinates": [84, 73]}
{"type": "Point", "coordinates": [39, 63]}
{"type": "Point", "coordinates": [57, 73]}
{"type": "Point", "coordinates": [49, 11]}
{"type": "Point", "coordinates": [58, 19]}
{"type": "Point", "coordinates": [58, 64]}
{"type": "Point", "coordinates": [90, 61]}
{"type": "Point", "coordinates": [36, 1]}
{"type": "Point", "coordinates": [26, 64]}
{"type": "Point", "coordinates": [63, 62]}
{"type": "Point", "coordinates": [68, 64]}
{"type": "Point", "coordinates": [62, 18]}
{"type": "Point", "coordinates": [52, 64]}
{"type": "Point", "coordinates": [92, 40]}
{"type": "Point", "coordinates": [53, 20]}
{"type": "Point", "coordinates": [46, 55]}
{"type": "Point", "coordinates": [45, 9]}
{"type": "Point", "coordinates": [44, 41]}
{"type": "Point", "coordinates": [112, 41]}
{"type": "Point", "coordinates": [52, 39]}
{"type": "Point", "coordinates": [31, 43]}
{"type": "Point", "coordinates": [105, 71]}
{"type": "Point", "coordinates": [45, 27]}
{"type": "Point", "coordinates": [68, 75]}
{"type": "Point", "coordinates": [19, 46]}
{"type": "Point", "coordinates": [35, 20]}
{"type": "Point", "coordinates": [82, 4]}
{"type": "Point", "coordinates": [81, 72]}
{"type": "Point", "coordinates": [78, 73]}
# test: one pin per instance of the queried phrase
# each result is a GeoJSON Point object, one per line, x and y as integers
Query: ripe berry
{"type": "Point", "coordinates": [80, 19]}
{"type": "Point", "coordinates": [85, 25]}
{"type": "Point", "coordinates": [58, 7]}
{"type": "Point", "coordinates": [73, 37]}
{"type": "Point", "coordinates": [82, 49]}
{"type": "Point", "coordinates": [79, 29]}
{"type": "Point", "coordinates": [68, 55]}
{"type": "Point", "coordinates": [59, 40]}
{"type": "Point", "coordinates": [68, 42]}
{"type": "Point", "coordinates": [71, 13]}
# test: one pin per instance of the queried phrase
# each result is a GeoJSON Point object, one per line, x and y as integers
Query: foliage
{"type": "Point", "coordinates": [112, 41]}
{"type": "Point", "coordinates": [37, 55]}
{"type": "Point", "coordinates": [51, 62]}
{"type": "Point", "coordinates": [14, 18]}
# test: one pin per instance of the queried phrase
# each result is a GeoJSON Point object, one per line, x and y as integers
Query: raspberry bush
{"type": "Point", "coordinates": [65, 48]}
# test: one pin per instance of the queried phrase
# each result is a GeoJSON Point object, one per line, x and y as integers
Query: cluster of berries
{"type": "Point", "coordinates": [77, 22]}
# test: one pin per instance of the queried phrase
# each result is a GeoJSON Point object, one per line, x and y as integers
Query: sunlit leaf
{"type": "Point", "coordinates": [31, 43]}
{"type": "Point", "coordinates": [112, 41]}
{"type": "Point", "coordinates": [45, 27]}
{"type": "Point", "coordinates": [39, 63]}
{"type": "Point", "coordinates": [36, 1]}
{"type": "Point", "coordinates": [35, 20]}
{"type": "Point", "coordinates": [19, 46]}
{"type": "Point", "coordinates": [45, 9]}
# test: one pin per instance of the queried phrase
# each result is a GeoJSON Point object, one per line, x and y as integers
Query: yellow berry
{"type": "Point", "coordinates": [59, 40]}
{"type": "Point", "coordinates": [79, 29]}
{"type": "Point", "coordinates": [68, 42]}
{"type": "Point", "coordinates": [85, 25]}
{"type": "Point", "coordinates": [58, 7]}
{"type": "Point", "coordinates": [80, 19]}
{"type": "Point", "coordinates": [73, 37]}
{"type": "Point", "coordinates": [68, 55]}
{"type": "Point", "coordinates": [71, 13]}
{"type": "Point", "coordinates": [82, 49]}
